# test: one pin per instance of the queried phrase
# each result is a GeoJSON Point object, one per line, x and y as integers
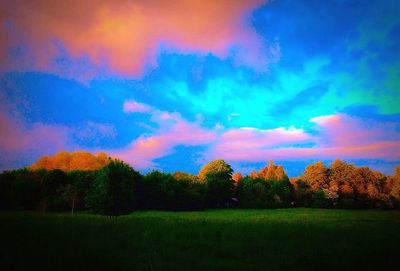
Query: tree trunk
{"type": "Point", "coordinates": [73, 206]}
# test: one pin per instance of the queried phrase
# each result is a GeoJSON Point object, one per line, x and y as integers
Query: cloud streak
{"type": "Point", "coordinates": [132, 106]}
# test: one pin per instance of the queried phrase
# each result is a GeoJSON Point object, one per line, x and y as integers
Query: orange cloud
{"type": "Point", "coordinates": [124, 37]}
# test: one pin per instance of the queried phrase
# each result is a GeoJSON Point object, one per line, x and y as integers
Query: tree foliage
{"type": "Point", "coordinates": [112, 192]}
{"type": "Point", "coordinates": [118, 189]}
{"type": "Point", "coordinates": [66, 161]}
{"type": "Point", "coordinates": [217, 178]}
{"type": "Point", "coordinates": [315, 175]}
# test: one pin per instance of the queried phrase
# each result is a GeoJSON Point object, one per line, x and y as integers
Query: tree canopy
{"type": "Point", "coordinates": [116, 188]}
{"type": "Point", "coordinates": [66, 161]}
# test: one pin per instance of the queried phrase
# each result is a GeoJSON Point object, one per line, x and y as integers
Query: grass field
{"type": "Point", "coordinates": [283, 239]}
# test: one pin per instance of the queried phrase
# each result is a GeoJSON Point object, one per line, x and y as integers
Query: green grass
{"type": "Point", "coordinates": [283, 239]}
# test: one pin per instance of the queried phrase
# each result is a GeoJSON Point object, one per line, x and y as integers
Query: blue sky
{"type": "Point", "coordinates": [290, 81]}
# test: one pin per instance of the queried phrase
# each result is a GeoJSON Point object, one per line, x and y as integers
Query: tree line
{"type": "Point", "coordinates": [117, 188]}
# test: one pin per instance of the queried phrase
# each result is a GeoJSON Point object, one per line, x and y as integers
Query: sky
{"type": "Point", "coordinates": [172, 85]}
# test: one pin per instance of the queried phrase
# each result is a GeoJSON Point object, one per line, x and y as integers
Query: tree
{"type": "Point", "coordinates": [152, 191]}
{"type": "Point", "coordinates": [112, 192]}
{"type": "Point", "coordinates": [280, 173]}
{"type": "Point", "coordinates": [78, 186]}
{"type": "Point", "coordinates": [179, 175]}
{"type": "Point", "coordinates": [268, 173]}
{"type": "Point", "coordinates": [280, 193]}
{"type": "Point", "coordinates": [84, 161]}
{"type": "Point", "coordinates": [163, 191]}
{"type": "Point", "coordinates": [217, 177]}
{"type": "Point", "coordinates": [252, 193]}
{"type": "Point", "coordinates": [253, 175]}
{"type": "Point", "coordinates": [62, 161]}
{"type": "Point", "coordinates": [316, 176]}
{"type": "Point", "coordinates": [44, 162]}
{"type": "Point", "coordinates": [236, 177]}
{"type": "Point", "coordinates": [319, 199]}
{"type": "Point", "coordinates": [102, 159]}
{"type": "Point", "coordinates": [395, 187]}
{"type": "Point", "coordinates": [66, 161]}
{"type": "Point", "coordinates": [53, 186]}
{"type": "Point", "coordinates": [71, 193]}
{"type": "Point", "coordinates": [303, 193]}
{"type": "Point", "coordinates": [24, 189]}
{"type": "Point", "coordinates": [6, 180]}
{"type": "Point", "coordinates": [341, 176]}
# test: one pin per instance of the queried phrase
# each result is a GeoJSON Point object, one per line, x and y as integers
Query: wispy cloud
{"type": "Point", "coordinates": [335, 136]}
{"type": "Point", "coordinates": [132, 106]}
{"type": "Point", "coordinates": [332, 136]}
{"type": "Point", "coordinates": [172, 131]}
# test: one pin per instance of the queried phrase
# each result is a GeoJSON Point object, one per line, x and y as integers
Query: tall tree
{"type": "Point", "coordinates": [316, 176]}
{"type": "Point", "coordinates": [217, 177]}
{"type": "Point", "coordinates": [268, 173]}
{"type": "Point", "coordinates": [236, 177]}
{"type": "Point", "coordinates": [113, 189]}
{"type": "Point", "coordinates": [395, 187]}
{"type": "Point", "coordinates": [280, 173]}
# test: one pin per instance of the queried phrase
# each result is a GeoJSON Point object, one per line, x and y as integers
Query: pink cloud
{"type": "Point", "coordinates": [22, 142]}
{"type": "Point", "coordinates": [251, 144]}
{"type": "Point", "coordinates": [124, 37]}
{"type": "Point", "coordinates": [338, 136]}
{"type": "Point", "coordinates": [19, 141]}
{"type": "Point", "coordinates": [345, 136]}
{"type": "Point", "coordinates": [17, 137]}
{"type": "Point", "coordinates": [173, 131]}
{"type": "Point", "coordinates": [136, 107]}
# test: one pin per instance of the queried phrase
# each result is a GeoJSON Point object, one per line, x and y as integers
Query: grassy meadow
{"type": "Point", "coordinates": [280, 239]}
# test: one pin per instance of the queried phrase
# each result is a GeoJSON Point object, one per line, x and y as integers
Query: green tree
{"type": "Point", "coordinates": [112, 192]}
{"type": "Point", "coordinates": [53, 186]}
{"type": "Point", "coordinates": [303, 193]}
{"type": "Point", "coordinates": [79, 183]}
{"type": "Point", "coordinates": [153, 191]}
{"type": "Point", "coordinates": [217, 178]}
{"type": "Point", "coordinates": [252, 193]}
{"type": "Point", "coordinates": [320, 200]}
{"type": "Point", "coordinates": [280, 193]}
